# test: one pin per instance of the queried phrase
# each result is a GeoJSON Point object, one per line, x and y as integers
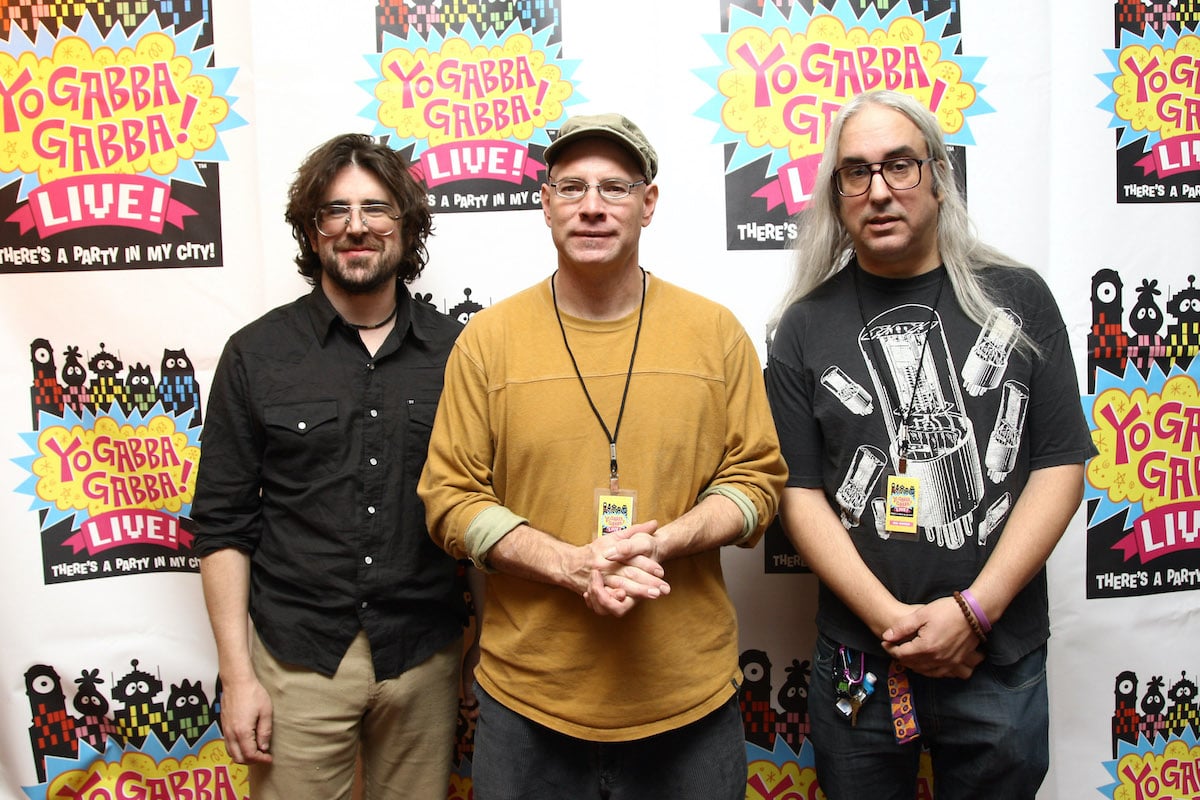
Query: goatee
{"type": "Point", "coordinates": [354, 279]}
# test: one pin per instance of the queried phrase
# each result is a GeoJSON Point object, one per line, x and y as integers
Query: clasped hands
{"type": "Point", "coordinates": [934, 640]}
{"type": "Point", "coordinates": [619, 570]}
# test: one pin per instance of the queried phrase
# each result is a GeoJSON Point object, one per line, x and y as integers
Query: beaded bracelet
{"type": "Point", "coordinates": [974, 623]}
{"type": "Point", "coordinates": [977, 610]}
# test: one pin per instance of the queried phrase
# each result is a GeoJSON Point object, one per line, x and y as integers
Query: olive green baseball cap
{"type": "Point", "coordinates": [607, 126]}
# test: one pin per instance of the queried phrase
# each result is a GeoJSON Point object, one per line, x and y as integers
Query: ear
{"type": "Point", "coordinates": [649, 203]}
{"type": "Point", "coordinates": [545, 198]}
{"type": "Point", "coordinates": [935, 184]}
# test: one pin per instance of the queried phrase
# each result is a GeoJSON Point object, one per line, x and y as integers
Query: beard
{"type": "Point", "coordinates": [361, 274]}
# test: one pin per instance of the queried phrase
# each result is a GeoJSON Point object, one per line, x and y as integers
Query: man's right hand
{"type": "Point", "coordinates": [618, 578]}
{"type": "Point", "coordinates": [246, 722]}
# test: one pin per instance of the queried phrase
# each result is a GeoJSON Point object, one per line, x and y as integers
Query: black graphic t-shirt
{"type": "Point", "coordinates": [867, 370]}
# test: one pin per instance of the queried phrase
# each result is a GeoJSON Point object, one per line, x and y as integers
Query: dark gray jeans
{"type": "Point", "coordinates": [516, 758]}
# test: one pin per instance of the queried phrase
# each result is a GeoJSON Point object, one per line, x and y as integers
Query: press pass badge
{"type": "Point", "coordinates": [614, 510]}
{"type": "Point", "coordinates": [900, 518]}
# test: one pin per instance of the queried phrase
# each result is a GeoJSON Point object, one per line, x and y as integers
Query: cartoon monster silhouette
{"type": "Point", "coordinates": [106, 387]}
{"type": "Point", "coordinates": [177, 388]}
{"type": "Point", "coordinates": [1183, 713]}
{"type": "Point", "coordinates": [1125, 718]}
{"type": "Point", "coordinates": [46, 393]}
{"type": "Point", "coordinates": [1153, 703]}
{"type": "Point", "coordinates": [93, 725]}
{"type": "Point", "coordinates": [1145, 318]}
{"type": "Point", "coordinates": [1183, 336]}
{"type": "Point", "coordinates": [794, 724]}
{"type": "Point", "coordinates": [188, 712]}
{"type": "Point", "coordinates": [216, 701]}
{"type": "Point", "coordinates": [75, 393]}
{"type": "Point", "coordinates": [1107, 341]}
{"type": "Point", "coordinates": [758, 716]}
{"type": "Point", "coordinates": [52, 729]}
{"type": "Point", "coordinates": [466, 309]}
{"type": "Point", "coordinates": [140, 715]}
{"type": "Point", "coordinates": [140, 389]}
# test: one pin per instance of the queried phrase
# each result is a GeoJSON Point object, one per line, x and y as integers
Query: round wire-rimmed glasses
{"type": "Point", "coordinates": [333, 219]}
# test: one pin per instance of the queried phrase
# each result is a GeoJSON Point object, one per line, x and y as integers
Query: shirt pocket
{"type": "Point", "coordinates": [418, 428]}
{"type": "Point", "coordinates": [303, 439]}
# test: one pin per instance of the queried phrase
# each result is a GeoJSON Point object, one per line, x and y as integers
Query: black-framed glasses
{"type": "Point", "coordinates": [612, 189]}
{"type": "Point", "coordinates": [333, 219]}
{"type": "Point", "coordinates": [898, 173]}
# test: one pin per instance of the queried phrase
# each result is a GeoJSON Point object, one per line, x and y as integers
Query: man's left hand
{"type": "Point", "coordinates": [934, 640]}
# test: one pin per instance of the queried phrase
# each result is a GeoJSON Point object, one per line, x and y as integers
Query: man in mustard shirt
{"type": "Point", "coordinates": [601, 436]}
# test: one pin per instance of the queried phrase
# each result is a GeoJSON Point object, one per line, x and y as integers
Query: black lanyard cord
{"type": "Point", "coordinates": [612, 437]}
{"type": "Point", "coordinates": [902, 445]}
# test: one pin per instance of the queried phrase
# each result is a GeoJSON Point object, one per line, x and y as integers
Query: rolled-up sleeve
{"type": "Point", "coordinates": [752, 471]}
{"type": "Point", "coordinates": [462, 511]}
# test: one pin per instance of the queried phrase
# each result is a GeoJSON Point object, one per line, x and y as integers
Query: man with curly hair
{"type": "Point", "coordinates": [318, 424]}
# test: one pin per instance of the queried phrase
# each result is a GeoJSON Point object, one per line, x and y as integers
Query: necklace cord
{"type": "Point", "coordinates": [356, 326]}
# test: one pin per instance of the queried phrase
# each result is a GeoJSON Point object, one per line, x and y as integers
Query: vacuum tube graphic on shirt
{"type": "Point", "coordinates": [845, 389]}
{"type": "Point", "coordinates": [906, 353]}
{"type": "Point", "coordinates": [865, 469]}
{"type": "Point", "coordinates": [988, 359]}
{"type": "Point", "coordinates": [994, 516]}
{"type": "Point", "coordinates": [1005, 440]}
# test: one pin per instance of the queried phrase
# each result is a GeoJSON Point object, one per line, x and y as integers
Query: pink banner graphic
{"type": "Point", "coordinates": [1167, 530]}
{"type": "Point", "coordinates": [504, 161]}
{"type": "Point", "coordinates": [1173, 156]}
{"type": "Point", "coordinates": [129, 526]}
{"type": "Point", "coordinates": [88, 201]}
{"type": "Point", "coordinates": [793, 184]}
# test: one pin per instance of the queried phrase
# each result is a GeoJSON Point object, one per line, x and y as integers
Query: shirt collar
{"type": "Point", "coordinates": [324, 316]}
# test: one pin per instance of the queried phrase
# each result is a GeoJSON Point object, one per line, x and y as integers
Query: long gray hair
{"type": "Point", "coordinates": [824, 246]}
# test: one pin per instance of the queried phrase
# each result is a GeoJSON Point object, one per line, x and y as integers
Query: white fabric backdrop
{"type": "Point", "coordinates": [1042, 186]}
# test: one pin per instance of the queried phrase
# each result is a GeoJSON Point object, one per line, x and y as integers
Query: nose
{"type": "Point", "coordinates": [592, 204]}
{"type": "Point", "coordinates": [878, 189]}
{"type": "Point", "coordinates": [355, 224]}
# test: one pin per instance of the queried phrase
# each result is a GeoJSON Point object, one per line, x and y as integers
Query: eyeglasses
{"type": "Point", "coordinates": [334, 219]}
{"type": "Point", "coordinates": [611, 189]}
{"type": "Point", "coordinates": [898, 173]}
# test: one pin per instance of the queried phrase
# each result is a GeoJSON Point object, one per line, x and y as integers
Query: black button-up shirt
{"type": "Point", "coordinates": [311, 451]}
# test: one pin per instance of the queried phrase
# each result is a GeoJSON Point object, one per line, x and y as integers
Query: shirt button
{"type": "Point", "coordinates": [368, 561]}
{"type": "Point", "coordinates": [374, 413]}
{"type": "Point", "coordinates": [301, 425]}
{"type": "Point", "coordinates": [370, 509]}
{"type": "Point", "coordinates": [370, 365]}
{"type": "Point", "coordinates": [364, 604]}
{"type": "Point", "coordinates": [374, 462]}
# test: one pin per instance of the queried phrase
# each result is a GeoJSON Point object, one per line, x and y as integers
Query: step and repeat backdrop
{"type": "Point", "coordinates": [145, 151]}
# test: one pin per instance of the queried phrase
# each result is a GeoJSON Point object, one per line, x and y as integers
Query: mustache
{"type": "Point", "coordinates": [360, 244]}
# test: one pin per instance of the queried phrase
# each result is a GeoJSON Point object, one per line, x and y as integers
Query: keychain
{"type": "Point", "coordinates": [850, 689]}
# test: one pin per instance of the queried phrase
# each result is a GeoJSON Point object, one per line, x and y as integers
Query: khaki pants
{"type": "Point", "coordinates": [403, 728]}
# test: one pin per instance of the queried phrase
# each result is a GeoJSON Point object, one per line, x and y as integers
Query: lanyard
{"type": "Point", "coordinates": [612, 437]}
{"type": "Point", "coordinates": [902, 445]}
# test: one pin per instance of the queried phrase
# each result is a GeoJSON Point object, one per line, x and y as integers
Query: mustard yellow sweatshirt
{"type": "Point", "coordinates": [515, 441]}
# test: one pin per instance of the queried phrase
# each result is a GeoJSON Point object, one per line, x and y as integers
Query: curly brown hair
{"type": "Point", "coordinates": [322, 165]}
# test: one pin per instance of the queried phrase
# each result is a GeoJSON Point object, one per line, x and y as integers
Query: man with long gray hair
{"type": "Point", "coordinates": [929, 413]}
